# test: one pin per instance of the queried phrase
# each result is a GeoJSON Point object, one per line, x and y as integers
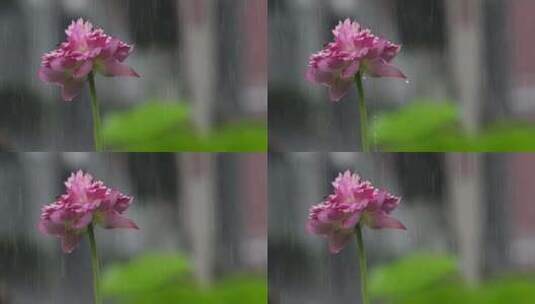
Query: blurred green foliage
{"type": "Point", "coordinates": [424, 278]}
{"type": "Point", "coordinates": [158, 126]}
{"type": "Point", "coordinates": [143, 274]}
{"type": "Point", "coordinates": [434, 126]}
{"type": "Point", "coordinates": [399, 278]}
{"type": "Point", "coordinates": [167, 279]}
{"type": "Point", "coordinates": [146, 121]}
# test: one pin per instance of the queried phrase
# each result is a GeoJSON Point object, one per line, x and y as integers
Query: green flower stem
{"type": "Point", "coordinates": [363, 266]}
{"type": "Point", "coordinates": [363, 114]}
{"type": "Point", "coordinates": [96, 112]}
{"type": "Point", "coordinates": [95, 263]}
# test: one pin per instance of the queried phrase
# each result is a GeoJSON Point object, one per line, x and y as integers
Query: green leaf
{"type": "Point", "coordinates": [145, 122]}
{"type": "Point", "coordinates": [426, 278]}
{"type": "Point", "coordinates": [430, 126]}
{"type": "Point", "coordinates": [451, 292]}
{"type": "Point", "coordinates": [167, 278]}
{"type": "Point", "coordinates": [241, 289]}
{"type": "Point", "coordinates": [166, 127]}
{"type": "Point", "coordinates": [507, 137]}
{"type": "Point", "coordinates": [143, 274]}
{"type": "Point", "coordinates": [411, 274]}
{"type": "Point", "coordinates": [422, 124]}
{"type": "Point", "coordinates": [244, 136]}
{"type": "Point", "coordinates": [518, 290]}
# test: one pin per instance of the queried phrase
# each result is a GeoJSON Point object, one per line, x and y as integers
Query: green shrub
{"type": "Point", "coordinates": [166, 126]}
{"type": "Point", "coordinates": [432, 126]}
{"type": "Point", "coordinates": [167, 279]}
{"type": "Point", "coordinates": [425, 278]}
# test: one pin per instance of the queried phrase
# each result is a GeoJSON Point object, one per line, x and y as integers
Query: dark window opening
{"type": "Point", "coordinates": [421, 23]}
{"type": "Point", "coordinates": [154, 23]}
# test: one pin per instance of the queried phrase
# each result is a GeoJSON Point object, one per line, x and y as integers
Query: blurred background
{"type": "Point", "coordinates": [469, 63]}
{"type": "Point", "coordinates": [202, 237]}
{"type": "Point", "coordinates": [470, 230]}
{"type": "Point", "coordinates": [203, 83]}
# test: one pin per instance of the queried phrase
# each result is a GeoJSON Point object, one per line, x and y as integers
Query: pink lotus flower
{"type": "Point", "coordinates": [86, 50]}
{"type": "Point", "coordinates": [354, 201]}
{"type": "Point", "coordinates": [86, 201]}
{"type": "Point", "coordinates": [354, 49]}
